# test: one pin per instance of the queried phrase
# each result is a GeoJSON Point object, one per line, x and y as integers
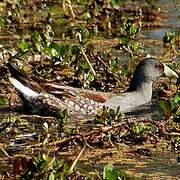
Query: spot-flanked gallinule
{"type": "Point", "coordinates": [49, 98]}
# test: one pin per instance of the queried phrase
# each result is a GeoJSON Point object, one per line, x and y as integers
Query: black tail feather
{"type": "Point", "coordinates": [15, 72]}
{"type": "Point", "coordinates": [20, 76]}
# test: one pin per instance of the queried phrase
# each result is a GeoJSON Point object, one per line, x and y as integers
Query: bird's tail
{"type": "Point", "coordinates": [23, 84]}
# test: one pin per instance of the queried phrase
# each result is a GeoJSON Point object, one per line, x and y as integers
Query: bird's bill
{"type": "Point", "coordinates": [169, 72]}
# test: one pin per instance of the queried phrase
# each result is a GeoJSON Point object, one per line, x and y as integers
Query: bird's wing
{"type": "Point", "coordinates": [70, 92]}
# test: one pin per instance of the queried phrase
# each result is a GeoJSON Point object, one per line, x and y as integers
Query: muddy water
{"type": "Point", "coordinates": [170, 22]}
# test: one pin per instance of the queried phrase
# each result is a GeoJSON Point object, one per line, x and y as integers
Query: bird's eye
{"type": "Point", "coordinates": [159, 65]}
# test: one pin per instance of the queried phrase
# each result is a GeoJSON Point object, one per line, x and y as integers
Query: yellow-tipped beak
{"type": "Point", "coordinates": [169, 72]}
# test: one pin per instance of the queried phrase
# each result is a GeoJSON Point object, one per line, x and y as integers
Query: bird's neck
{"type": "Point", "coordinates": [142, 87]}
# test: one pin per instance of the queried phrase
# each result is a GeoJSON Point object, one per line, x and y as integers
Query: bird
{"type": "Point", "coordinates": [50, 98]}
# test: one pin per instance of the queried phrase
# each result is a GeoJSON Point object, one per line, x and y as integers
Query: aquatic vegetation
{"type": "Point", "coordinates": [110, 172]}
{"type": "Point", "coordinates": [90, 45]}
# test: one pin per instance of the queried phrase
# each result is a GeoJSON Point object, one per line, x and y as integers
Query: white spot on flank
{"type": "Point", "coordinates": [66, 100]}
{"type": "Point", "coordinates": [23, 89]}
{"type": "Point", "coordinates": [92, 102]}
{"type": "Point", "coordinates": [82, 110]}
{"type": "Point", "coordinates": [46, 95]}
{"type": "Point", "coordinates": [90, 108]}
{"type": "Point", "coordinates": [81, 101]}
{"type": "Point", "coordinates": [76, 108]}
{"type": "Point", "coordinates": [85, 106]}
{"type": "Point", "coordinates": [97, 103]}
{"type": "Point", "coordinates": [100, 104]}
{"type": "Point", "coordinates": [71, 103]}
{"type": "Point", "coordinates": [93, 111]}
{"type": "Point", "coordinates": [78, 97]}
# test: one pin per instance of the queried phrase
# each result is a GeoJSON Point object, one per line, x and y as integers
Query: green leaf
{"type": "Point", "coordinates": [36, 37]}
{"type": "Point", "coordinates": [2, 22]}
{"type": "Point", "coordinates": [169, 37]}
{"type": "Point", "coordinates": [51, 176]}
{"type": "Point", "coordinates": [62, 116]}
{"type": "Point", "coordinates": [57, 50]}
{"type": "Point", "coordinates": [133, 30]}
{"type": "Point", "coordinates": [177, 99]}
{"type": "Point", "coordinates": [87, 15]}
{"type": "Point", "coordinates": [2, 102]}
{"type": "Point", "coordinates": [138, 129]}
{"type": "Point", "coordinates": [175, 104]}
{"type": "Point", "coordinates": [24, 45]}
{"type": "Point", "coordinates": [45, 157]}
{"type": "Point", "coordinates": [178, 111]}
{"type": "Point", "coordinates": [109, 173]}
{"type": "Point", "coordinates": [134, 46]}
{"type": "Point", "coordinates": [75, 49]}
{"type": "Point", "coordinates": [166, 106]}
{"type": "Point", "coordinates": [54, 53]}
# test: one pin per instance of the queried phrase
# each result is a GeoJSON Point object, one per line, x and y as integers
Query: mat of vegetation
{"type": "Point", "coordinates": [91, 45]}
